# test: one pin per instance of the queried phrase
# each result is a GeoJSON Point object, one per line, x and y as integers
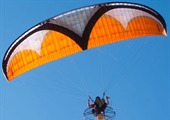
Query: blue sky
{"type": "Point", "coordinates": [135, 73]}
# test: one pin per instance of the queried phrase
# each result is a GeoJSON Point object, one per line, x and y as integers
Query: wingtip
{"type": "Point", "coordinates": [164, 33]}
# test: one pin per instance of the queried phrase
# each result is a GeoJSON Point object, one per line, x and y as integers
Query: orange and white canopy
{"type": "Point", "coordinates": [79, 30]}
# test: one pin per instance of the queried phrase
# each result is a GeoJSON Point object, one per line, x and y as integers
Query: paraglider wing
{"type": "Point", "coordinates": [79, 30]}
